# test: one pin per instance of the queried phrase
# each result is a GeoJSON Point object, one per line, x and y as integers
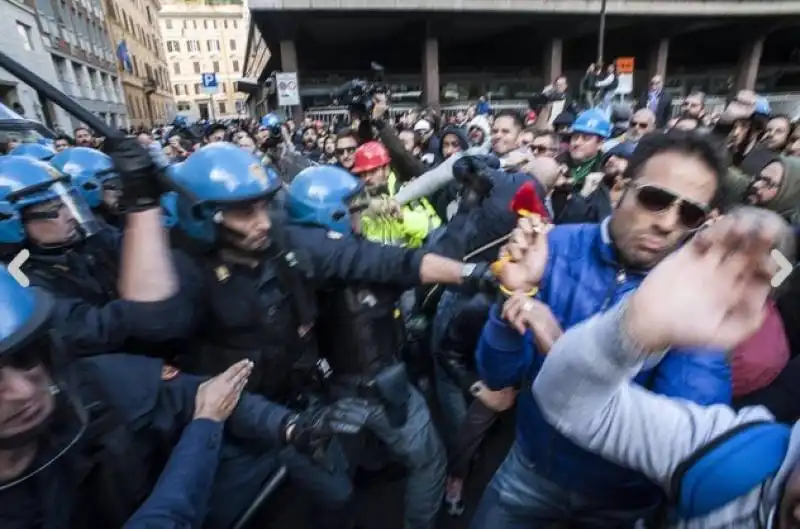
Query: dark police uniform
{"type": "Point", "coordinates": [263, 314]}
{"type": "Point", "coordinates": [361, 336]}
{"type": "Point", "coordinates": [244, 312]}
{"type": "Point", "coordinates": [89, 315]}
{"type": "Point", "coordinates": [136, 418]}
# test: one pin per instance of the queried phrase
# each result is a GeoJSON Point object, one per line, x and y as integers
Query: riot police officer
{"type": "Point", "coordinates": [82, 443]}
{"type": "Point", "coordinates": [93, 172]}
{"type": "Point", "coordinates": [110, 296]}
{"type": "Point", "coordinates": [362, 336]}
{"type": "Point", "coordinates": [247, 278]}
{"type": "Point", "coordinates": [33, 150]}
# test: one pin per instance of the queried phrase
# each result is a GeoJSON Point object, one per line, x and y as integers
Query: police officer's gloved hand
{"type": "Point", "coordinates": [480, 277]}
{"type": "Point", "coordinates": [138, 172]}
{"type": "Point", "coordinates": [311, 430]}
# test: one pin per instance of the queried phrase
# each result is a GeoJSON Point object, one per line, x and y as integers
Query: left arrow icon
{"type": "Point", "coordinates": [15, 268]}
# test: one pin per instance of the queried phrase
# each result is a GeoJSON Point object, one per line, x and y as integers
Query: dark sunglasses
{"type": "Point", "coordinates": [639, 125]}
{"type": "Point", "coordinates": [540, 149]}
{"type": "Point", "coordinates": [658, 200]}
{"type": "Point", "coordinates": [346, 150]}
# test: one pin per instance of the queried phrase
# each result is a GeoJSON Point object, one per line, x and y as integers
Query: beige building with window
{"type": "Point", "coordinates": [205, 36]}
{"type": "Point", "coordinates": [132, 25]}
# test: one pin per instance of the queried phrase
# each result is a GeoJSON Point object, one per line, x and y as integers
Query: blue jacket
{"type": "Point", "coordinates": [181, 496]}
{"type": "Point", "coordinates": [154, 406]}
{"type": "Point", "coordinates": [583, 278]}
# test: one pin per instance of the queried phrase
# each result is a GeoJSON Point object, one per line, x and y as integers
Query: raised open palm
{"type": "Point", "coordinates": [712, 291]}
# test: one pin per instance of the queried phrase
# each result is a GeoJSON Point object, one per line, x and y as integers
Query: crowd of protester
{"type": "Point", "coordinates": [617, 187]}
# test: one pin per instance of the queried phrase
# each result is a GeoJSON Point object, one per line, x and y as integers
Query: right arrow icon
{"type": "Point", "coordinates": [784, 269]}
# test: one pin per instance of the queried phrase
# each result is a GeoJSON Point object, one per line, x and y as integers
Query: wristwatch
{"type": "Point", "coordinates": [467, 270]}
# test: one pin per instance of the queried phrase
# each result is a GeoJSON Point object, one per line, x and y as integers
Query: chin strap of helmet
{"type": "Point", "coordinates": [230, 238]}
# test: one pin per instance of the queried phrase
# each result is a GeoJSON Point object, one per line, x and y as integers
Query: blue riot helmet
{"type": "Point", "coordinates": [325, 196]}
{"type": "Point", "coordinates": [217, 178]}
{"type": "Point", "coordinates": [272, 124]}
{"type": "Point", "coordinates": [90, 170]}
{"type": "Point", "coordinates": [12, 232]}
{"type": "Point", "coordinates": [270, 121]}
{"type": "Point", "coordinates": [169, 209]}
{"type": "Point", "coordinates": [33, 150]}
{"type": "Point", "coordinates": [42, 194]}
{"type": "Point", "coordinates": [40, 406]}
{"type": "Point", "coordinates": [180, 121]}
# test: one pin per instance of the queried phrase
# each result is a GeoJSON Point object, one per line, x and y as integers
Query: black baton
{"type": "Point", "coordinates": [56, 96]}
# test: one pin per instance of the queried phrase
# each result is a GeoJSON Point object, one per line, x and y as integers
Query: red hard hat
{"type": "Point", "coordinates": [370, 156]}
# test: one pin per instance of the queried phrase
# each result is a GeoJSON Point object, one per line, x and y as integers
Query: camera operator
{"type": "Point", "coordinates": [278, 149]}
{"type": "Point", "coordinates": [372, 114]}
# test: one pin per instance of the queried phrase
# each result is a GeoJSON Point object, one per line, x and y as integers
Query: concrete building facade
{"type": "Point", "coordinates": [74, 35]}
{"type": "Point", "coordinates": [25, 44]}
{"type": "Point", "coordinates": [145, 81]}
{"type": "Point", "coordinates": [454, 51]}
{"type": "Point", "coordinates": [204, 36]}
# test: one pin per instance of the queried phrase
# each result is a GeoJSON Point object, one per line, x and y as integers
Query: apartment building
{"type": "Point", "coordinates": [25, 44]}
{"type": "Point", "coordinates": [133, 28]}
{"type": "Point", "coordinates": [73, 34]}
{"type": "Point", "coordinates": [204, 36]}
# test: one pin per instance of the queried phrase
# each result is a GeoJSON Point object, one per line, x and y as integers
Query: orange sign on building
{"type": "Point", "coordinates": [625, 64]}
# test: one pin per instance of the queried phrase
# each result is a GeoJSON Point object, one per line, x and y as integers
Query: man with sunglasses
{"type": "Point", "coordinates": [577, 272]}
{"type": "Point", "coordinates": [346, 145]}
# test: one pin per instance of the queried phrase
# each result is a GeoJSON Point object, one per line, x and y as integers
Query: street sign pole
{"type": "Point", "coordinates": [210, 86]}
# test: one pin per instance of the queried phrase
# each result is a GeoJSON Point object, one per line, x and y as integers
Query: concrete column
{"type": "Point", "coordinates": [86, 81]}
{"type": "Point", "coordinates": [289, 64]}
{"type": "Point", "coordinates": [430, 72]}
{"type": "Point", "coordinates": [71, 80]}
{"type": "Point", "coordinates": [659, 55]}
{"type": "Point", "coordinates": [553, 60]}
{"type": "Point", "coordinates": [749, 62]}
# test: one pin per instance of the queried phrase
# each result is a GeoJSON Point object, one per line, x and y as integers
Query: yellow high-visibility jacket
{"type": "Point", "coordinates": [418, 220]}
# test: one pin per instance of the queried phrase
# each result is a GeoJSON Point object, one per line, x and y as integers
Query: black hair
{"type": "Point", "coordinates": [515, 116]}
{"type": "Point", "coordinates": [783, 116]}
{"type": "Point", "coordinates": [76, 129]}
{"type": "Point", "coordinates": [66, 138]}
{"type": "Point", "coordinates": [346, 133]}
{"type": "Point", "coordinates": [685, 142]}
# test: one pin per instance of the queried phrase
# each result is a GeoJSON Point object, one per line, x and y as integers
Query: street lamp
{"type": "Point", "coordinates": [601, 37]}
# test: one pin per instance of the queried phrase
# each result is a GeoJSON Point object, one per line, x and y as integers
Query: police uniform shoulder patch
{"type": "Point", "coordinates": [169, 372]}
{"type": "Point", "coordinates": [334, 235]}
{"type": "Point", "coordinates": [54, 173]}
{"type": "Point", "coordinates": [223, 273]}
{"type": "Point", "coordinates": [257, 171]}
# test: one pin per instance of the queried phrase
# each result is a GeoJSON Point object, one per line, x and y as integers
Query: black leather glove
{"type": "Point", "coordinates": [479, 276]}
{"type": "Point", "coordinates": [310, 431]}
{"type": "Point", "coordinates": [473, 175]}
{"type": "Point", "coordinates": [139, 174]}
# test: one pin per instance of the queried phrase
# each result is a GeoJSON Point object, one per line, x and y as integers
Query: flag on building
{"type": "Point", "coordinates": [124, 57]}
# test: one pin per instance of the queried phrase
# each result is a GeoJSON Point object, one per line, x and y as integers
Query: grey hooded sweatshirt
{"type": "Point", "coordinates": [584, 390]}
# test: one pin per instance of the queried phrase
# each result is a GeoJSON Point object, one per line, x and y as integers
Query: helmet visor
{"type": "Point", "coordinates": [65, 196]}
